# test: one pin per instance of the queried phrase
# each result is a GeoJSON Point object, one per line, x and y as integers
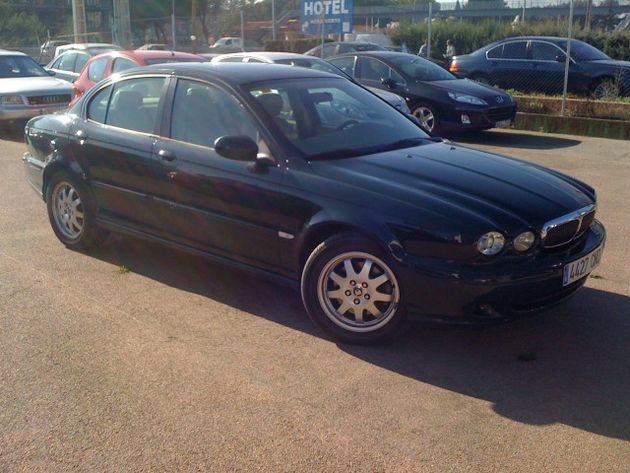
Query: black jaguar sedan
{"type": "Point", "coordinates": [307, 177]}
{"type": "Point", "coordinates": [439, 100]}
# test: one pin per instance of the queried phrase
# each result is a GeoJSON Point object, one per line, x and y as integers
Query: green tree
{"type": "Point", "coordinates": [20, 29]}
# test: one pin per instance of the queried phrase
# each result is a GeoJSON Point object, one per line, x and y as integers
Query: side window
{"type": "Point", "coordinates": [66, 62]}
{"type": "Point", "coordinates": [81, 60]}
{"type": "Point", "coordinates": [496, 52]}
{"type": "Point", "coordinates": [121, 64]}
{"type": "Point", "coordinates": [372, 69]}
{"type": "Point", "coordinates": [202, 113]}
{"type": "Point", "coordinates": [394, 75]}
{"type": "Point", "coordinates": [96, 70]}
{"type": "Point", "coordinates": [232, 59]}
{"type": "Point", "coordinates": [55, 63]}
{"type": "Point", "coordinates": [544, 51]}
{"type": "Point", "coordinates": [346, 64]}
{"type": "Point", "coordinates": [253, 59]}
{"type": "Point", "coordinates": [134, 104]}
{"type": "Point", "coordinates": [329, 50]}
{"type": "Point", "coordinates": [97, 109]}
{"type": "Point", "coordinates": [515, 50]}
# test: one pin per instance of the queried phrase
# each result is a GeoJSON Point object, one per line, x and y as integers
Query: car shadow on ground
{"type": "Point", "coordinates": [514, 140]}
{"type": "Point", "coordinates": [12, 131]}
{"type": "Point", "coordinates": [570, 365]}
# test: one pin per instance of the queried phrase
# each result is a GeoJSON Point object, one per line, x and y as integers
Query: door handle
{"type": "Point", "coordinates": [167, 155]}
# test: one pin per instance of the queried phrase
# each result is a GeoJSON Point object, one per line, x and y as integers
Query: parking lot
{"type": "Point", "coordinates": [138, 358]}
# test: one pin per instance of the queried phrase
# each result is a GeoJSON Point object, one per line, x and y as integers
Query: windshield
{"type": "Point", "coordinates": [334, 118]}
{"type": "Point", "coordinates": [581, 51]}
{"type": "Point", "coordinates": [20, 66]}
{"type": "Point", "coordinates": [318, 65]}
{"type": "Point", "coordinates": [420, 70]}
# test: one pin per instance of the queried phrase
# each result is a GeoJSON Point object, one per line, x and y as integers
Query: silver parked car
{"type": "Point", "coordinates": [68, 65]}
{"type": "Point", "coordinates": [27, 90]}
{"type": "Point", "coordinates": [310, 62]}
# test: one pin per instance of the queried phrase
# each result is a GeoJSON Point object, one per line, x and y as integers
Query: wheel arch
{"type": "Point", "coordinates": [59, 164]}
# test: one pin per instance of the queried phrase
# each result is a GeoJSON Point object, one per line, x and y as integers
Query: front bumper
{"type": "Point", "coordinates": [456, 292]}
{"type": "Point", "coordinates": [477, 118]}
{"type": "Point", "coordinates": [22, 111]}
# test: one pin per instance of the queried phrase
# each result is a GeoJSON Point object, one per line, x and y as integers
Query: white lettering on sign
{"type": "Point", "coordinates": [325, 7]}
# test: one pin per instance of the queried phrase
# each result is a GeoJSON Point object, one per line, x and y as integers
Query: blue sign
{"type": "Point", "coordinates": [325, 16]}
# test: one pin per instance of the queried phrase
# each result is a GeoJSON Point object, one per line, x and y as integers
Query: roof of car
{"type": "Point", "coordinates": [151, 54]}
{"type": "Point", "coordinates": [234, 72]}
{"type": "Point", "coordinates": [384, 54]}
{"type": "Point", "coordinates": [6, 52]}
{"type": "Point", "coordinates": [270, 55]}
{"type": "Point", "coordinates": [88, 45]}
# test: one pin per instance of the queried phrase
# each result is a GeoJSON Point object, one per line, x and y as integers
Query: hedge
{"type": "Point", "coordinates": [468, 37]}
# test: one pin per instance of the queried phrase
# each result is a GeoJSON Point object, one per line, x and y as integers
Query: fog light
{"type": "Point", "coordinates": [491, 243]}
{"type": "Point", "coordinates": [524, 241]}
{"type": "Point", "coordinates": [465, 119]}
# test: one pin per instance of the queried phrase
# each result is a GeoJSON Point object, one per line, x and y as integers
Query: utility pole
{"type": "Point", "coordinates": [273, 19]}
{"type": "Point", "coordinates": [122, 23]}
{"type": "Point", "coordinates": [79, 23]}
{"type": "Point", "coordinates": [173, 27]}
{"type": "Point", "coordinates": [589, 15]}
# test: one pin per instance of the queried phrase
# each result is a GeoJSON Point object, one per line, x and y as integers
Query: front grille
{"type": "Point", "coordinates": [497, 114]}
{"type": "Point", "coordinates": [567, 228]}
{"type": "Point", "coordinates": [49, 99]}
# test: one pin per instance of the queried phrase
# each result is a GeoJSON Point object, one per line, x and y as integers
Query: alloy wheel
{"type": "Point", "coordinates": [358, 292]}
{"type": "Point", "coordinates": [425, 116]}
{"type": "Point", "coordinates": [67, 210]}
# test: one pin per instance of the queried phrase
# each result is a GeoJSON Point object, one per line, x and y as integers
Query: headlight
{"type": "Point", "coordinates": [463, 98]}
{"type": "Point", "coordinates": [491, 243]}
{"type": "Point", "coordinates": [524, 241]}
{"type": "Point", "coordinates": [11, 100]}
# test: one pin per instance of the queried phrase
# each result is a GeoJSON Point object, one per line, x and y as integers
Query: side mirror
{"type": "Point", "coordinates": [389, 83]}
{"type": "Point", "coordinates": [51, 73]}
{"type": "Point", "coordinates": [237, 147]}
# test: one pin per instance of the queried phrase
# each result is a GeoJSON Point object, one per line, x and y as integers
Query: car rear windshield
{"type": "Point", "coordinates": [20, 66]}
{"type": "Point", "coordinates": [581, 51]}
{"type": "Point", "coordinates": [334, 118]}
{"type": "Point", "coordinates": [420, 70]}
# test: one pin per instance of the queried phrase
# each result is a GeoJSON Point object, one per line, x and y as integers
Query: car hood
{"type": "Point", "coordinates": [470, 87]}
{"type": "Point", "coordinates": [611, 63]}
{"type": "Point", "coordinates": [463, 185]}
{"type": "Point", "coordinates": [389, 97]}
{"type": "Point", "coordinates": [29, 85]}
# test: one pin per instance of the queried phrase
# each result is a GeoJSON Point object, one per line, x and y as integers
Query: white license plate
{"type": "Point", "coordinates": [503, 123]}
{"type": "Point", "coordinates": [582, 267]}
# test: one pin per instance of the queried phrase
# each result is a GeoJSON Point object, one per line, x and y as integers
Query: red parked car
{"type": "Point", "coordinates": [106, 64]}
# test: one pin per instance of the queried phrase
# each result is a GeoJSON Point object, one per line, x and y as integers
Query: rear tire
{"type": "Point", "coordinates": [606, 88]}
{"type": "Point", "coordinates": [350, 288]}
{"type": "Point", "coordinates": [72, 212]}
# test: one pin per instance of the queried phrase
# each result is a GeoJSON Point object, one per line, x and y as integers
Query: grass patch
{"type": "Point", "coordinates": [123, 270]}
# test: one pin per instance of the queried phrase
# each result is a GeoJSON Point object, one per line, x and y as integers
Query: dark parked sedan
{"type": "Point", "coordinates": [537, 63]}
{"type": "Point", "coordinates": [307, 177]}
{"type": "Point", "coordinates": [441, 102]}
{"type": "Point", "coordinates": [338, 47]}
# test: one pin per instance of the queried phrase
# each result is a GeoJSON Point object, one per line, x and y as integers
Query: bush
{"type": "Point", "coordinates": [468, 37]}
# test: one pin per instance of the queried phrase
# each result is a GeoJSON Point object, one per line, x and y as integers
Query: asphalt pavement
{"type": "Point", "coordinates": [138, 358]}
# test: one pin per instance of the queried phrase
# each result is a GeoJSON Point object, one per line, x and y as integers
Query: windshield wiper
{"type": "Point", "coordinates": [352, 152]}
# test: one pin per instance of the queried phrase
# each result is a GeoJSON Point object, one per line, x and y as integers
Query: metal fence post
{"type": "Point", "coordinates": [567, 61]}
{"type": "Point", "coordinates": [429, 30]}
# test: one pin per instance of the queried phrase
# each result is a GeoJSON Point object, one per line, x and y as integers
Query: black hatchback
{"type": "Point", "coordinates": [305, 176]}
{"type": "Point", "coordinates": [537, 64]}
{"type": "Point", "coordinates": [439, 100]}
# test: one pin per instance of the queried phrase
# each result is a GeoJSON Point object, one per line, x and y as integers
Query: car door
{"type": "Point", "coordinates": [512, 70]}
{"type": "Point", "coordinates": [547, 67]}
{"type": "Point", "coordinates": [226, 207]}
{"type": "Point", "coordinates": [114, 143]}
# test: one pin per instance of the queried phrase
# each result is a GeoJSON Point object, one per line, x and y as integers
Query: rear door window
{"type": "Point", "coordinates": [496, 53]}
{"type": "Point", "coordinates": [134, 104]}
{"type": "Point", "coordinates": [515, 50]}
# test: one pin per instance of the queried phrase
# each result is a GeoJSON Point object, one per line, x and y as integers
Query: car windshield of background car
{"type": "Point", "coordinates": [585, 52]}
{"type": "Point", "coordinates": [421, 70]}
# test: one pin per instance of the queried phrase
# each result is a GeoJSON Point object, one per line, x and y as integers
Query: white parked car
{"type": "Point", "coordinates": [27, 90]}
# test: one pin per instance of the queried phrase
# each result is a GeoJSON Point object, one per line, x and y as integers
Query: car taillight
{"type": "Point", "coordinates": [453, 67]}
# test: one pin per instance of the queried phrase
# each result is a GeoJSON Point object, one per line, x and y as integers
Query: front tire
{"type": "Point", "coordinates": [427, 117]}
{"type": "Point", "coordinates": [71, 212]}
{"type": "Point", "coordinates": [350, 288]}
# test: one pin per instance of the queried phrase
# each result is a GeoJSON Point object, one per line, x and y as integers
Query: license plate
{"type": "Point", "coordinates": [503, 123]}
{"type": "Point", "coordinates": [582, 267]}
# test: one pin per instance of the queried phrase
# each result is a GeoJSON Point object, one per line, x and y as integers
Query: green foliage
{"type": "Point", "coordinates": [468, 37]}
{"type": "Point", "coordinates": [18, 29]}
